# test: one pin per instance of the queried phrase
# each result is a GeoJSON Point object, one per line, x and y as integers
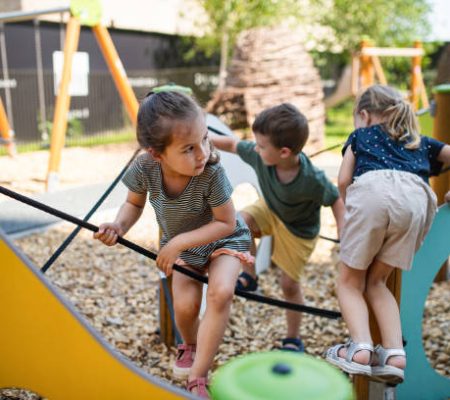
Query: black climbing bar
{"type": "Point", "coordinates": [133, 246]}
{"type": "Point", "coordinates": [100, 201]}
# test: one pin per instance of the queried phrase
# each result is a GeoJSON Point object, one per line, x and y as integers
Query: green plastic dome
{"type": "Point", "coordinates": [279, 375]}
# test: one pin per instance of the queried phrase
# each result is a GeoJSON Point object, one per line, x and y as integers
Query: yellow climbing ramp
{"type": "Point", "coordinates": [48, 348]}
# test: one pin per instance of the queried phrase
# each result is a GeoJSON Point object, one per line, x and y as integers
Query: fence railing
{"type": "Point", "coordinates": [91, 117]}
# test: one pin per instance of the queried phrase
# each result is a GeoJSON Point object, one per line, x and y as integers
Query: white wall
{"type": "Point", "coordinates": [182, 17]}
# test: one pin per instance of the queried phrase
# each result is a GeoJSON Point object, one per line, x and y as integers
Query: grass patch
{"type": "Point", "coordinates": [339, 124]}
{"type": "Point", "coordinates": [79, 141]}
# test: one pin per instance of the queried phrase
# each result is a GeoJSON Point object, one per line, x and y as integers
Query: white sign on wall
{"type": "Point", "coordinates": [79, 84]}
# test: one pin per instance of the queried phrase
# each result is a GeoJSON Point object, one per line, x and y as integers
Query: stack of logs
{"type": "Point", "coordinates": [271, 66]}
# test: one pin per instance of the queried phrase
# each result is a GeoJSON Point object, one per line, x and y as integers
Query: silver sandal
{"type": "Point", "coordinates": [347, 364]}
{"type": "Point", "coordinates": [383, 372]}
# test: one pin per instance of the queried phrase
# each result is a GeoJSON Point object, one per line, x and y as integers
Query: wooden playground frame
{"type": "Point", "coordinates": [77, 17]}
{"type": "Point", "coordinates": [366, 66]}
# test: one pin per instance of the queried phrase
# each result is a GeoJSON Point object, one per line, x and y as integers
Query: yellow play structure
{"type": "Point", "coordinates": [48, 348]}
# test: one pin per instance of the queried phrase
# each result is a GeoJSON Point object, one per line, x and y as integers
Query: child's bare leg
{"type": "Point", "coordinates": [385, 309]}
{"type": "Point", "coordinates": [350, 291]}
{"type": "Point", "coordinates": [187, 301]}
{"type": "Point", "coordinates": [256, 233]}
{"type": "Point", "coordinates": [293, 294]}
{"type": "Point", "coordinates": [223, 273]}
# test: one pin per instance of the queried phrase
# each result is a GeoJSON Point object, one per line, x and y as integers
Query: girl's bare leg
{"type": "Point", "coordinates": [350, 291]}
{"type": "Point", "coordinates": [187, 300]}
{"type": "Point", "coordinates": [386, 310]}
{"type": "Point", "coordinates": [223, 273]}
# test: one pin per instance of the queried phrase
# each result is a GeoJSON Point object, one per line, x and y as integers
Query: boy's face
{"type": "Point", "coordinates": [270, 154]}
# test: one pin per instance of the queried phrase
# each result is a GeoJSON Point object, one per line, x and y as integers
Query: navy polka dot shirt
{"type": "Point", "coordinates": [374, 149]}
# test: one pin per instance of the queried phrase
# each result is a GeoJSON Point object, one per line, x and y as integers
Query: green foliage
{"type": "Point", "coordinates": [385, 22]}
{"type": "Point", "coordinates": [235, 16]}
{"type": "Point", "coordinates": [339, 124]}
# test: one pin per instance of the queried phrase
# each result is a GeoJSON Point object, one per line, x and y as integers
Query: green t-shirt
{"type": "Point", "coordinates": [298, 202]}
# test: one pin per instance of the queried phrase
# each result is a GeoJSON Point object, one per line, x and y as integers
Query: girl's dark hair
{"type": "Point", "coordinates": [284, 125]}
{"type": "Point", "coordinates": [400, 119]}
{"type": "Point", "coordinates": [156, 117]}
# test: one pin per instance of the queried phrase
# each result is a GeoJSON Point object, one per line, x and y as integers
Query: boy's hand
{"type": "Point", "coordinates": [167, 256]}
{"type": "Point", "coordinates": [447, 197]}
{"type": "Point", "coordinates": [108, 233]}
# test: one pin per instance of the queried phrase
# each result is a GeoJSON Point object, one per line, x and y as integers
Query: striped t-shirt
{"type": "Point", "coordinates": [191, 209]}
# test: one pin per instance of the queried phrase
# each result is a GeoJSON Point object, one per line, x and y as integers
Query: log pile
{"type": "Point", "coordinates": [270, 66]}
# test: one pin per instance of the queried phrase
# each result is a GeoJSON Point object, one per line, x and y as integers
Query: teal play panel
{"type": "Point", "coordinates": [421, 380]}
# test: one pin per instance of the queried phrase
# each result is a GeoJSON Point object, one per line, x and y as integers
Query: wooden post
{"type": "Point", "coordinates": [441, 131]}
{"type": "Point", "coordinates": [167, 329]}
{"type": "Point", "coordinates": [62, 103]}
{"type": "Point", "coordinates": [117, 71]}
{"type": "Point", "coordinates": [6, 132]}
{"type": "Point", "coordinates": [361, 383]}
{"type": "Point", "coordinates": [416, 77]}
{"type": "Point", "coordinates": [366, 71]}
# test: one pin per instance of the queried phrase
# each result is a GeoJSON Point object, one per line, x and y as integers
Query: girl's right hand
{"type": "Point", "coordinates": [108, 233]}
{"type": "Point", "coordinates": [447, 197]}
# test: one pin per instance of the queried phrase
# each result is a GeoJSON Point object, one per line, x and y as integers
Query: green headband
{"type": "Point", "coordinates": [171, 87]}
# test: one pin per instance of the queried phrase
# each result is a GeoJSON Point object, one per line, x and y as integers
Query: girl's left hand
{"type": "Point", "coordinates": [167, 257]}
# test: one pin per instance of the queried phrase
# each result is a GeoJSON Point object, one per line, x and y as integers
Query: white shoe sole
{"type": "Point", "coordinates": [351, 367]}
{"type": "Point", "coordinates": [180, 373]}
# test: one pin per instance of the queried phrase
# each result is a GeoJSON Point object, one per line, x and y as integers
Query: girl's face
{"type": "Point", "coordinates": [270, 154]}
{"type": "Point", "coordinates": [189, 150]}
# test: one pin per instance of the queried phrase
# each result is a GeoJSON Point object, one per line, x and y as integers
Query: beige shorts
{"type": "Point", "coordinates": [290, 252]}
{"type": "Point", "coordinates": [388, 213]}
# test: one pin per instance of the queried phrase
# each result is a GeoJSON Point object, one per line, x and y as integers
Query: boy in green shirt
{"type": "Point", "coordinates": [293, 192]}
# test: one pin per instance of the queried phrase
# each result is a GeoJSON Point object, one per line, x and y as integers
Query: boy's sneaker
{"type": "Point", "coordinates": [184, 360]}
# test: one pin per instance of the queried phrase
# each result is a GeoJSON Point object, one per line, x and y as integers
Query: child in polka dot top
{"type": "Point", "coordinates": [383, 180]}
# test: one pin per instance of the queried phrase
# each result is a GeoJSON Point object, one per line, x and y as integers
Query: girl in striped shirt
{"type": "Point", "coordinates": [186, 185]}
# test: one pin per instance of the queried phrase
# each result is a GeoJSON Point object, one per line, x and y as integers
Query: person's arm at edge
{"type": "Point", "coordinates": [224, 143]}
{"type": "Point", "coordinates": [345, 175]}
{"type": "Point", "coordinates": [444, 154]}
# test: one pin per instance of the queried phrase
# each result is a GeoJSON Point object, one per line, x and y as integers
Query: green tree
{"type": "Point", "coordinates": [227, 18]}
{"type": "Point", "coordinates": [385, 22]}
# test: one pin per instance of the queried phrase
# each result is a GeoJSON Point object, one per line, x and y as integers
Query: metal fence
{"type": "Point", "coordinates": [29, 100]}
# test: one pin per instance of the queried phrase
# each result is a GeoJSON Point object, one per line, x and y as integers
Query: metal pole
{"type": "Point", "coordinates": [5, 71]}
{"type": "Point", "coordinates": [16, 16]}
{"type": "Point", "coordinates": [40, 81]}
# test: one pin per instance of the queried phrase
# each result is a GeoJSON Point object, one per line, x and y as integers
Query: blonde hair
{"type": "Point", "coordinates": [400, 121]}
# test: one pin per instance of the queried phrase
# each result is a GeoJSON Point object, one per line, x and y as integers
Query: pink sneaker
{"type": "Point", "coordinates": [184, 361]}
{"type": "Point", "coordinates": [200, 384]}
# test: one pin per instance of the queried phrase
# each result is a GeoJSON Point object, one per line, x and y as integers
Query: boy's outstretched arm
{"type": "Point", "coordinates": [338, 209]}
{"type": "Point", "coordinates": [224, 143]}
